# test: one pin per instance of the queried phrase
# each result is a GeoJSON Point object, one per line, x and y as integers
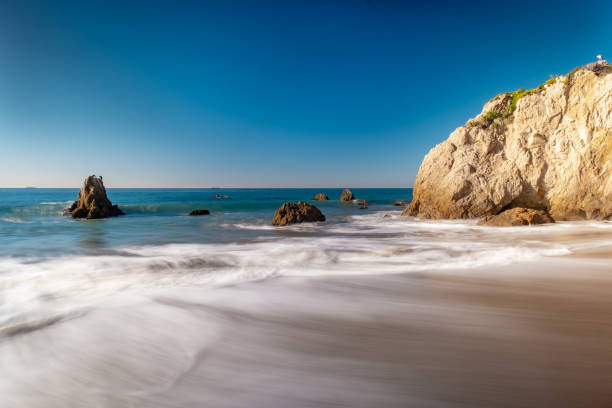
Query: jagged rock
{"type": "Point", "coordinates": [321, 197]}
{"type": "Point", "coordinates": [294, 213]}
{"type": "Point", "coordinates": [200, 212]}
{"type": "Point", "coordinates": [92, 201]}
{"type": "Point", "coordinates": [517, 217]}
{"type": "Point", "coordinates": [548, 148]}
{"type": "Point", "coordinates": [347, 195]}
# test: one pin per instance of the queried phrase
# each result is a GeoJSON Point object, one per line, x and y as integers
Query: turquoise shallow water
{"type": "Point", "coordinates": [31, 224]}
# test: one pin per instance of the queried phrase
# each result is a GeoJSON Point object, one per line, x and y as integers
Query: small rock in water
{"type": "Point", "coordinates": [294, 213]}
{"type": "Point", "coordinates": [92, 202]}
{"type": "Point", "coordinates": [199, 212]}
{"type": "Point", "coordinates": [321, 197]}
{"type": "Point", "coordinates": [363, 203]}
{"type": "Point", "coordinates": [347, 195]}
{"type": "Point", "coordinates": [220, 196]}
{"type": "Point", "coordinates": [399, 204]}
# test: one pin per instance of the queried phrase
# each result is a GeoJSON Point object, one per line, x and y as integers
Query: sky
{"type": "Point", "coordinates": [265, 93]}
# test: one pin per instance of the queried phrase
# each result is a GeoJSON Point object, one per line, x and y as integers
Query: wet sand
{"type": "Point", "coordinates": [526, 335]}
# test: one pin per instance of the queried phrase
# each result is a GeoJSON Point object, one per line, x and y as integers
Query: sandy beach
{"type": "Point", "coordinates": [524, 335]}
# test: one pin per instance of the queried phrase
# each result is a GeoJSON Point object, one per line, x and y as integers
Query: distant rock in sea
{"type": "Point", "coordinates": [200, 212]}
{"type": "Point", "coordinates": [294, 213]}
{"type": "Point", "coordinates": [92, 202]}
{"type": "Point", "coordinates": [347, 195]}
{"type": "Point", "coordinates": [364, 203]}
{"type": "Point", "coordinates": [220, 196]}
{"type": "Point", "coordinates": [517, 217]}
{"type": "Point", "coordinates": [547, 148]}
{"type": "Point", "coordinates": [399, 204]}
{"type": "Point", "coordinates": [321, 197]}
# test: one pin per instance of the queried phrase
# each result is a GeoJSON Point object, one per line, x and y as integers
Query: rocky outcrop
{"type": "Point", "coordinates": [399, 204]}
{"type": "Point", "coordinates": [517, 217]}
{"type": "Point", "coordinates": [200, 212]}
{"type": "Point", "coordinates": [347, 195]}
{"type": "Point", "coordinates": [321, 197]}
{"type": "Point", "coordinates": [294, 213]}
{"type": "Point", "coordinates": [549, 148]}
{"type": "Point", "coordinates": [92, 201]}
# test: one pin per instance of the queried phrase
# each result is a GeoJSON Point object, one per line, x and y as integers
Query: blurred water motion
{"type": "Point", "coordinates": [158, 309]}
{"type": "Point", "coordinates": [534, 336]}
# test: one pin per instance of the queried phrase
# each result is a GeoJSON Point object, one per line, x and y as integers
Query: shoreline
{"type": "Point", "coordinates": [530, 334]}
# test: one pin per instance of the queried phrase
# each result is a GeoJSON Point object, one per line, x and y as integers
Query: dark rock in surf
{"type": "Point", "coordinates": [92, 202]}
{"type": "Point", "coordinates": [200, 212]}
{"type": "Point", "coordinates": [399, 204]}
{"type": "Point", "coordinates": [294, 213]}
{"type": "Point", "coordinates": [516, 217]}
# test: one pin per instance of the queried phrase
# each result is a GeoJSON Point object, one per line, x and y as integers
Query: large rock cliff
{"type": "Point", "coordinates": [548, 148]}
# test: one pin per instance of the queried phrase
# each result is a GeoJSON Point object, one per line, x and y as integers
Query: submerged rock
{"type": "Point", "coordinates": [294, 213]}
{"type": "Point", "coordinates": [364, 203]}
{"type": "Point", "coordinates": [517, 217]}
{"type": "Point", "coordinates": [347, 195]}
{"type": "Point", "coordinates": [92, 201]}
{"type": "Point", "coordinates": [321, 197]}
{"type": "Point", "coordinates": [549, 148]}
{"type": "Point", "coordinates": [200, 212]}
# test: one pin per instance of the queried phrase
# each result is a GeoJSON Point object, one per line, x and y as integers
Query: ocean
{"type": "Point", "coordinates": [158, 308]}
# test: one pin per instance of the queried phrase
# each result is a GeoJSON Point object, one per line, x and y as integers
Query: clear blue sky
{"type": "Point", "coordinates": [264, 94]}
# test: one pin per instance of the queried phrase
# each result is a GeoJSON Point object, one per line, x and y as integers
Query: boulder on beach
{"type": "Point", "coordinates": [199, 212]}
{"type": "Point", "coordinates": [516, 217]}
{"type": "Point", "coordinates": [548, 148]}
{"type": "Point", "coordinates": [92, 202]}
{"type": "Point", "coordinates": [321, 197]}
{"type": "Point", "coordinates": [294, 213]}
{"type": "Point", "coordinates": [347, 195]}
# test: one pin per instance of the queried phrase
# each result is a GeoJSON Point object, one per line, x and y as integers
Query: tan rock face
{"type": "Point", "coordinates": [321, 197]}
{"type": "Point", "coordinates": [347, 195]}
{"type": "Point", "coordinates": [517, 217]}
{"type": "Point", "coordinates": [553, 152]}
{"type": "Point", "coordinates": [92, 201]}
{"type": "Point", "coordinates": [294, 213]}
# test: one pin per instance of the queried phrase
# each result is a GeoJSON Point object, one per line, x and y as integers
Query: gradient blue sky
{"type": "Point", "coordinates": [264, 94]}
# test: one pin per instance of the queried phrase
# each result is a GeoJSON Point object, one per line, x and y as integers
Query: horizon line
{"type": "Point", "coordinates": [204, 188]}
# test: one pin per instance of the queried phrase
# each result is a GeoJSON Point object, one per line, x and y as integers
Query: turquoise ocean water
{"type": "Point", "coordinates": [31, 224]}
{"type": "Point", "coordinates": [54, 267]}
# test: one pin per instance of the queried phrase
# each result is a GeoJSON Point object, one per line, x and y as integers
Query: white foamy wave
{"type": "Point", "coordinates": [14, 220]}
{"type": "Point", "coordinates": [365, 244]}
{"type": "Point", "coordinates": [254, 227]}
